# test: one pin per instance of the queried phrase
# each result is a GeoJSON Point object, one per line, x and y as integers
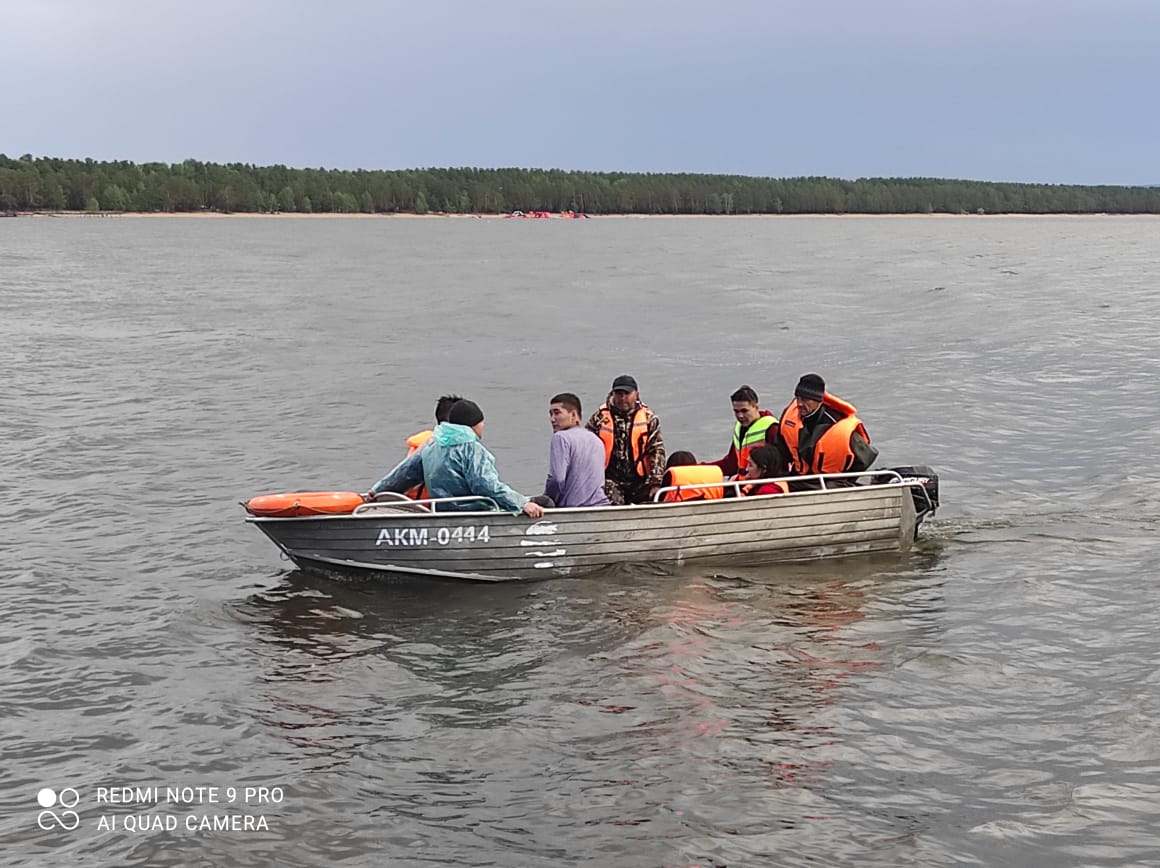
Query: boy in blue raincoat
{"type": "Point", "coordinates": [455, 463]}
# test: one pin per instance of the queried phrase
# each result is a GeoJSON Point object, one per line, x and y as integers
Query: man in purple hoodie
{"type": "Point", "coordinates": [575, 457]}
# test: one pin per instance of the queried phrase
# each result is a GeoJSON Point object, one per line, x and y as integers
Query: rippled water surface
{"type": "Point", "coordinates": [992, 698]}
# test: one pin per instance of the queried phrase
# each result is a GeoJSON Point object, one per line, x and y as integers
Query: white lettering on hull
{"type": "Point", "coordinates": [421, 536]}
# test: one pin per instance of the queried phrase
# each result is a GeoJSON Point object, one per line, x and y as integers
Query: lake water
{"type": "Point", "coordinates": [992, 698]}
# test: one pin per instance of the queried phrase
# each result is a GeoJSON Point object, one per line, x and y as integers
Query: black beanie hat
{"type": "Point", "coordinates": [811, 386]}
{"type": "Point", "coordinates": [464, 412]}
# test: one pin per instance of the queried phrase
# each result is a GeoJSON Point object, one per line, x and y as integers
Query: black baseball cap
{"type": "Point", "coordinates": [624, 383]}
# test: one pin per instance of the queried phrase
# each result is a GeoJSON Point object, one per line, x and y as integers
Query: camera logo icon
{"type": "Point", "coordinates": [48, 798]}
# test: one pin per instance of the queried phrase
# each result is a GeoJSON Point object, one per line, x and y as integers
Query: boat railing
{"type": "Point", "coordinates": [878, 477]}
{"type": "Point", "coordinates": [393, 501]}
{"type": "Point", "coordinates": [919, 483]}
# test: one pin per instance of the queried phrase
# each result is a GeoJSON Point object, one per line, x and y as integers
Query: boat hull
{"type": "Point", "coordinates": [492, 546]}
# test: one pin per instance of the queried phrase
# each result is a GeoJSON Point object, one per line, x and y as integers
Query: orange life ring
{"type": "Point", "coordinates": [296, 503]}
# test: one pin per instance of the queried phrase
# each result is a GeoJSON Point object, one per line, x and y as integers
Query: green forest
{"type": "Point", "coordinates": [47, 184]}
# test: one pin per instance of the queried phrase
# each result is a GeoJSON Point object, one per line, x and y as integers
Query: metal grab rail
{"type": "Point", "coordinates": [427, 504]}
{"type": "Point", "coordinates": [892, 477]}
{"type": "Point", "coordinates": [919, 482]}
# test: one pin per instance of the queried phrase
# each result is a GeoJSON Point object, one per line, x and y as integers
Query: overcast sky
{"type": "Point", "coordinates": [1056, 91]}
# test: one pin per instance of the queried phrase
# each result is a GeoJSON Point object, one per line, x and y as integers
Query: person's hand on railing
{"type": "Point", "coordinates": [533, 510]}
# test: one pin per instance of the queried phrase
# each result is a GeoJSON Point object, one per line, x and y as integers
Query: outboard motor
{"type": "Point", "coordinates": [926, 495]}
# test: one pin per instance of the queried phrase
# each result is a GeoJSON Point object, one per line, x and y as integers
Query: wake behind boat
{"type": "Point", "coordinates": [849, 514]}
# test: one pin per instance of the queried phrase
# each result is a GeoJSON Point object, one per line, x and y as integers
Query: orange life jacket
{"type": "Point", "coordinates": [696, 474]}
{"type": "Point", "coordinates": [414, 443]}
{"type": "Point", "coordinates": [754, 436]}
{"type": "Point", "coordinates": [638, 438]}
{"type": "Point", "coordinates": [832, 453]}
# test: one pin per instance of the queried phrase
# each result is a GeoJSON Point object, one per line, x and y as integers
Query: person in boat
{"type": "Point", "coordinates": [575, 457]}
{"type": "Point", "coordinates": [762, 464]}
{"type": "Point", "coordinates": [634, 450]}
{"type": "Point", "coordinates": [681, 470]}
{"type": "Point", "coordinates": [749, 430]}
{"type": "Point", "coordinates": [819, 433]}
{"type": "Point", "coordinates": [457, 464]}
{"type": "Point", "coordinates": [420, 439]}
{"type": "Point", "coordinates": [442, 408]}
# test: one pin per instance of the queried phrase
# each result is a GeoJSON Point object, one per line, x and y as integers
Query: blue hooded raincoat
{"type": "Point", "coordinates": [453, 463]}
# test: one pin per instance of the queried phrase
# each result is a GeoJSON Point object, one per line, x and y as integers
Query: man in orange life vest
{"type": "Point", "coordinates": [748, 431]}
{"type": "Point", "coordinates": [820, 433]}
{"type": "Point", "coordinates": [634, 450]}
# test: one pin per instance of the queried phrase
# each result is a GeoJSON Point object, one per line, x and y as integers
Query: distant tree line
{"type": "Point", "coordinates": [49, 184]}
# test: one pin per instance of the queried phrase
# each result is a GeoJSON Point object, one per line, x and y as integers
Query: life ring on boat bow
{"type": "Point", "coordinates": [297, 503]}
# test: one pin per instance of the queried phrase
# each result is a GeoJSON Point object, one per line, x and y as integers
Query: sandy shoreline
{"type": "Point", "coordinates": [204, 215]}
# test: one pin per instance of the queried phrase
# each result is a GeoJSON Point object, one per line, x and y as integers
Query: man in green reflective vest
{"type": "Point", "coordinates": [748, 431]}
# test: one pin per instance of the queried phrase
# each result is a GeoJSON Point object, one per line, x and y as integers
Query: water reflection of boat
{"type": "Point", "coordinates": [879, 515]}
{"type": "Point", "coordinates": [436, 647]}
